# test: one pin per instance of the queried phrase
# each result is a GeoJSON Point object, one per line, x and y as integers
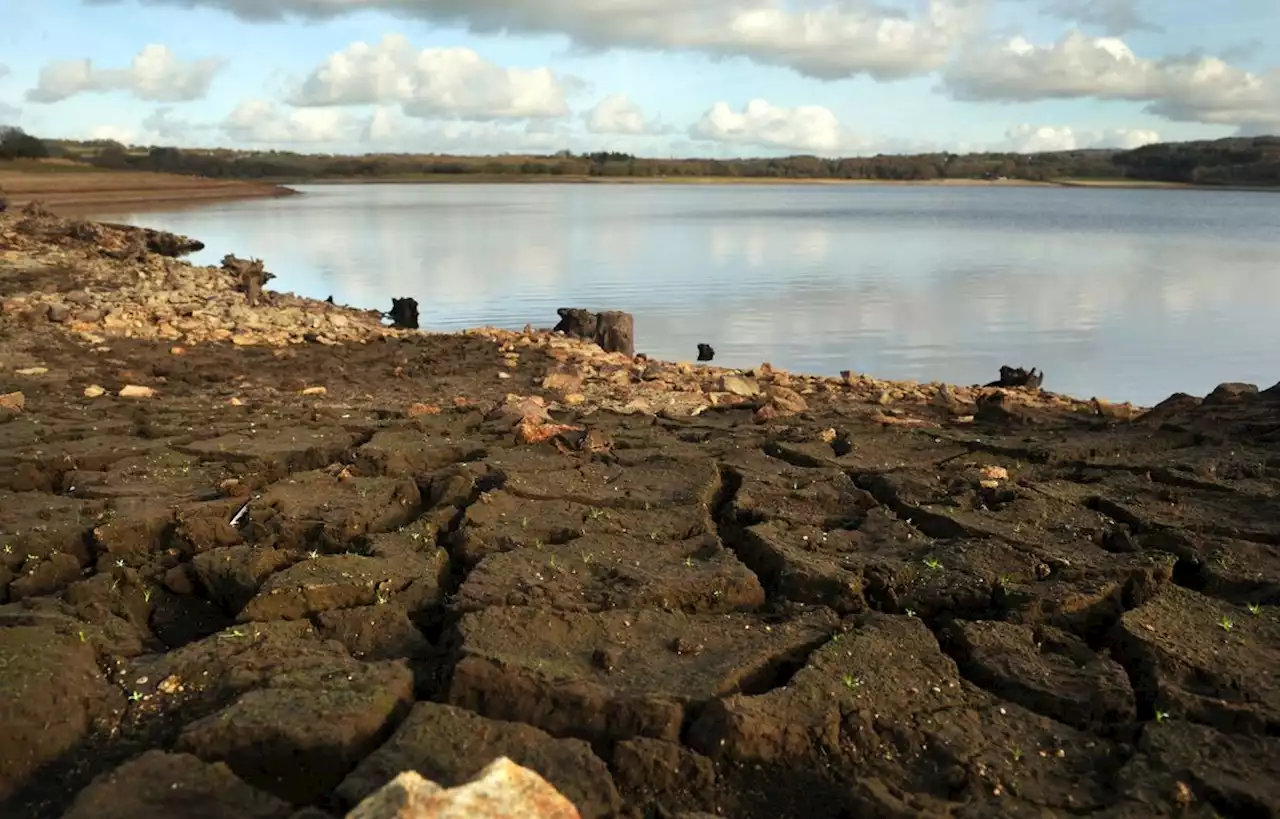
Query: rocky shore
{"type": "Point", "coordinates": [274, 556]}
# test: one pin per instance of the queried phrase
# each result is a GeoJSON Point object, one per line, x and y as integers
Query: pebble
{"type": "Point", "coordinates": [13, 401]}
{"type": "Point", "coordinates": [32, 371]}
{"type": "Point", "coordinates": [136, 391]}
{"type": "Point", "coordinates": [94, 391]}
{"type": "Point", "coordinates": [315, 391]}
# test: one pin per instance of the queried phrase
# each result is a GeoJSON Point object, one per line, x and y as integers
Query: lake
{"type": "Point", "coordinates": [1123, 294]}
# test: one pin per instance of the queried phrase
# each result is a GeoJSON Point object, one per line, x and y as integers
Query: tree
{"type": "Point", "coordinates": [16, 143]}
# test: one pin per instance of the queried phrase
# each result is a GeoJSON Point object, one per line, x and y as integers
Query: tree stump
{"type": "Point", "coordinates": [613, 330]}
{"type": "Point", "coordinates": [404, 314]}
{"type": "Point", "coordinates": [1018, 377]}
{"type": "Point", "coordinates": [706, 352]}
{"type": "Point", "coordinates": [251, 274]}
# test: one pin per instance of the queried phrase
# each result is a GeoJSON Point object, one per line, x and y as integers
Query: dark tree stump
{"type": "Point", "coordinates": [404, 314]}
{"type": "Point", "coordinates": [613, 330]}
{"type": "Point", "coordinates": [1017, 377]}
{"type": "Point", "coordinates": [252, 275]}
{"type": "Point", "coordinates": [706, 352]}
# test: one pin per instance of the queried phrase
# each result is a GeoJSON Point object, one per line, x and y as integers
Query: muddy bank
{"type": "Point", "coordinates": [92, 190]}
{"type": "Point", "coordinates": [297, 553]}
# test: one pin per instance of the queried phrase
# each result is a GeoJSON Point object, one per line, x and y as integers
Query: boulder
{"type": "Point", "coordinates": [613, 330]}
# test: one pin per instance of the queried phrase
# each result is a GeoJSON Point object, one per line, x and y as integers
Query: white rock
{"type": "Point", "coordinates": [503, 790]}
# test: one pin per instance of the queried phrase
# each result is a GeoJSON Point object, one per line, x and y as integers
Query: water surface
{"type": "Point", "coordinates": [1123, 294]}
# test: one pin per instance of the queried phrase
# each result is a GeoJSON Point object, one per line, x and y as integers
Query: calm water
{"type": "Point", "coordinates": [1125, 294]}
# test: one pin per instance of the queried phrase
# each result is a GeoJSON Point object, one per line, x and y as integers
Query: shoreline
{"type": "Point", "coordinates": [277, 552]}
{"type": "Point", "coordinates": [83, 191]}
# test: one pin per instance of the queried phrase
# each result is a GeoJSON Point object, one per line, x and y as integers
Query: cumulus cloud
{"type": "Point", "coordinates": [808, 128]}
{"type": "Point", "coordinates": [262, 121]}
{"type": "Point", "coordinates": [1029, 139]}
{"type": "Point", "coordinates": [1115, 17]}
{"type": "Point", "coordinates": [1185, 89]}
{"type": "Point", "coordinates": [837, 39]}
{"type": "Point", "coordinates": [617, 114]}
{"type": "Point", "coordinates": [155, 74]}
{"type": "Point", "coordinates": [433, 82]}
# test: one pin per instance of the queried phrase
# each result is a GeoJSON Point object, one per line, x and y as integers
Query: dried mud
{"type": "Point", "coordinates": [866, 607]}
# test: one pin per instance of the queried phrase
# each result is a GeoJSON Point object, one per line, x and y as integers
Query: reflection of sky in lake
{"type": "Point", "coordinates": [1127, 294]}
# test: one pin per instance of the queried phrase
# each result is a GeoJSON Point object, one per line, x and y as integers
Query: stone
{"type": "Point", "coordinates": [1231, 393]}
{"type": "Point", "coordinates": [314, 391]}
{"type": "Point", "coordinates": [59, 313]}
{"type": "Point", "coordinates": [136, 391]}
{"type": "Point", "coordinates": [787, 399]}
{"type": "Point", "coordinates": [94, 391]}
{"type": "Point", "coordinates": [14, 401]}
{"type": "Point", "coordinates": [32, 371]}
{"type": "Point", "coordinates": [739, 385]}
{"type": "Point", "coordinates": [503, 790]}
{"type": "Point", "coordinates": [164, 784]}
{"type": "Point", "coordinates": [417, 410]}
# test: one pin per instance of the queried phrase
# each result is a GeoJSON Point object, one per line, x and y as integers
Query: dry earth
{"type": "Point", "coordinates": [258, 561]}
{"type": "Point", "coordinates": [72, 189]}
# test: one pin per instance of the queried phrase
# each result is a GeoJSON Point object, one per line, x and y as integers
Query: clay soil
{"type": "Point", "coordinates": [74, 189]}
{"type": "Point", "coordinates": [820, 614]}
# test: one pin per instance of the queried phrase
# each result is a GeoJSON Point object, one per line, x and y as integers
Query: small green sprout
{"type": "Point", "coordinates": [1017, 753]}
{"type": "Point", "coordinates": [146, 596]}
{"type": "Point", "coordinates": [83, 638]}
{"type": "Point", "coordinates": [235, 632]}
{"type": "Point", "coordinates": [136, 696]}
{"type": "Point", "coordinates": [910, 612]}
{"type": "Point", "coordinates": [851, 682]}
{"type": "Point", "coordinates": [1006, 579]}
{"type": "Point", "coordinates": [313, 554]}
{"type": "Point", "coordinates": [933, 563]}
{"type": "Point", "coordinates": [1161, 716]}
{"type": "Point", "coordinates": [1255, 609]}
{"type": "Point", "coordinates": [1226, 623]}
{"type": "Point", "coordinates": [120, 563]}
{"type": "Point", "coordinates": [688, 562]}
{"type": "Point", "coordinates": [595, 514]}
{"type": "Point", "coordinates": [8, 549]}
{"type": "Point", "coordinates": [381, 598]}
{"type": "Point", "coordinates": [524, 523]}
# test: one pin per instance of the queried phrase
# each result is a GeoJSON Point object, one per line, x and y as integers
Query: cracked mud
{"type": "Point", "coordinates": [711, 615]}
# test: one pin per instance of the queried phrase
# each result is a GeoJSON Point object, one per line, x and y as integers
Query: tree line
{"type": "Point", "coordinates": [1243, 161]}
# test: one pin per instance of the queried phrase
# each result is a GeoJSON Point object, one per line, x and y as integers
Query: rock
{"type": "Point", "coordinates": [503, 790]}
{"type": "Point", "coordinates": [739, 385]}
{"type": "Point", "coordinates": [787, 400]}
{"type": "Point", "coordinates": [989, 477]}
{"type": "Point", "coordinates": [164, 784]}
{"type": "Point", "coordinates": [613, 330]}
{"type": "Point", "coordinates": [78, 297]}
{"type": "Point", "coordinates": [404, 314]}
{"type": "Point", "coordinates": [136, 391]}
{"type": "Point", "coordinates": [418, 410]}
{"type": "Point", "coordinates": [1014, 377]}
{"type": "Point", "coordinates": [94, 391]}
{"type": "Point", "coordinates": [563, 380]}
{"type": "Point", "coordinates": [1231, 393]}
{"type": "Point", "coordinates": [314, 391]}
{"type": "Point", "coordinates": [32, 372]}
{"type": "Point", "coordinates": [13, 401]}
{"type": "Point", "coordinates": [706, 352]}
{"type": "Point", "coordinates": [59, 313]}
{"type": "Point", "coordinates": [251, 275]}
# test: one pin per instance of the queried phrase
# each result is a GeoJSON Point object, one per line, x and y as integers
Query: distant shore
{"type": "Point", "coordinates": [73, 188]}
{"type": "Point", "coordinates": [69, 187]}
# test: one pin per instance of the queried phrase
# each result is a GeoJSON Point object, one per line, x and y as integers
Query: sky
{"type": "Point", "coordinates": [715, 78]}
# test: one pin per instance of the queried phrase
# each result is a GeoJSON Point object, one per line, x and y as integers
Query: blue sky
{"type": "Point", "coordinates": [654, 77]}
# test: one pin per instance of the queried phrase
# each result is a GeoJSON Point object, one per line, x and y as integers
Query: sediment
{"type": "Point", "coordinates": [275, 555]}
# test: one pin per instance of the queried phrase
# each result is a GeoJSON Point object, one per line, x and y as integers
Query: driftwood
{"type": "Point", "coordinates": [613, 330]}
{"type": "Point", "coordinates": [1014, 377]}
{"type": "Point", "coordinates": [251, 274]}
{"type": "Point", "coordinates": [404, 314]}
{"type": "Point", "coordinates": [706, 352]}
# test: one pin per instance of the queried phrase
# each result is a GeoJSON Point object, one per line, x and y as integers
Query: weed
{"type": "Point", "coordinates": [1254, 609]}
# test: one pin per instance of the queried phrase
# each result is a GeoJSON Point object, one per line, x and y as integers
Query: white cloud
{"type": "Point", "coordinates": [617, 114]}
{"type": "Point", "coordinates": [155, 74]}
{"type": "Point", "coordinates": [841, 38]}
{"type": "Point", "coordinates": [260, 121]}
{"type": "Point", "coordinates": [165, 126]}
{"type": "Point", "coordinates": [433, 82]}
{"type": "Point", "coordinates": [808, 128]}
{"type": "Point", "coordinates": [1184, 89]}
{"type": "Point", "coordinates": [1027, 139]}
{"type": "Point", "coordinates": [1115, 17]}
